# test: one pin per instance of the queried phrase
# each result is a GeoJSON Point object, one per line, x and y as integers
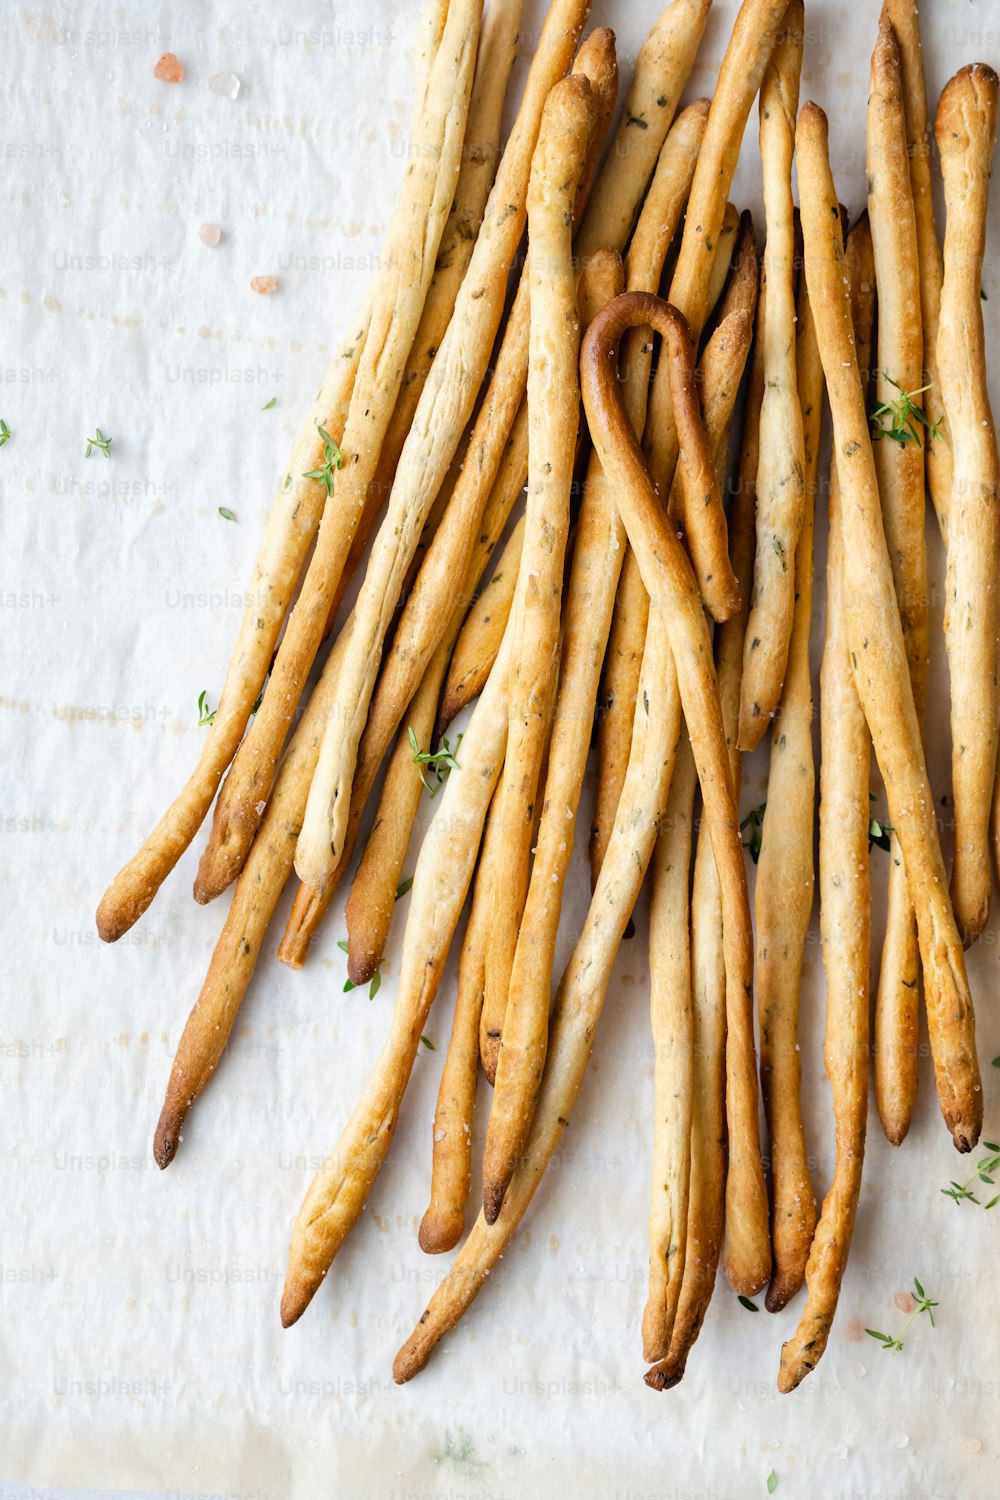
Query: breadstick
{"type": "Point", "coordinates": [578, 1005]}
{"type": "Point", "coordinates": [337, 1194]}
{"type": "Point", "coordinates": [783, 895]}
{"type": "Point", "coordinates": [905, 21]}
{"type": "Point", "coordinates": [257, 893]}
{"type": "Point", "coordinates": [553, 417]}
{"type": "Point", "coordinates": [878, 653]}
{"type": "Point", "coordinates": [373, 894]}
{"type": "Point", "coordinates": [672, 1023]}
{"type": "Point", "coordinates": [662, 67]}
{"type": "Point", "coordinates": [965, 128]}
{"type": "Point", "coordinates": [598, 550]}
{"type": "Point", "coordinates": [707, 1187]}
{"type": "Point", "coordinates": [443, 1222]}
{"type": "Point", "coordinates": [479, 640]}
{"type": "Point", "coordinates": [845, 907]}
{"type": "Point", "coordinates": [671, 586]}
{"type": "Point", "coordinates": [445, 405]}
{"type": "Point", "coordinates": [414, 237]}
{"type": "Point", "coordinates": [779, 480]}
{"type": "Point", "coordinates": [899, 469]}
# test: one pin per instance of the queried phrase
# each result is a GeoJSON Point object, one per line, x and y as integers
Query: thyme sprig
{"type": "Point", "coordinates": [4, 432]}
{"type": "Point", "coordinates": [333, 459]}
{"type": "Point", "coordinates": [922, 1304]}
{"type": "Point", "coordinates": [962, 1191]}
{"type": "Point", "coordinates": [754, 821]}
{"type": "Point", "coordinates": [902, 418]}
{"type": "Point", "coordinates": [438, 762]}
{"type": "Point", "coordinates": [100, 441]}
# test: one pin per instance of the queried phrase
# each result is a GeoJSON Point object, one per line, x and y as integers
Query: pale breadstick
{"type": "Point", "coordinates": [337, 1194]}
{"type": "Point", "coordinates": [747, 54]}
{"type": "Point", "coordinates": [707, 1186]}
{"type": "Point", "coordinates": [878, 653]}
{"type": "Point", "coordinates": [480, 153]}
{"type": "Point", "coordinates": [965, 128]}
{"type": "Point", "coordinates": [899, 469]}
{"type": "Point", "coordinates": [480, 636]}
{"type": "Point", "coordinates": [779, 480]}
{"type": "Point", "coordinates": [372, 900]}
{"type": "Point", "coordinates": [905, 20]}
{"type": "Point", "coordinates": [671, 586]}
{"type": "Point", "coordinates": [553, 418]}
{"type": "Point", "coordinates": [257, 893]}
{"type": "Point", "coordinates": [598, 549]}
{"type": "Point", "coordinates": [845, 907]}
{"type": "Point", "coordinates": [451, 1172]}
{"type": "Point", "coordinates": [662, 66]}
{"type": "Point", "coordinates": [445, 405]}
{"type": "Point", "coordinates": [414, 236]}
{"type": "Point", "coordinates": [578, 1005]}
{"type": "Point", "coordinates": [678, 1085]}
{"type": "Point", "coordinates": [783, 895]}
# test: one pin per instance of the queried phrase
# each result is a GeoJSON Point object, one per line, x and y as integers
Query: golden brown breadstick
{"type": "Point", "coordinates": [662, 67]}
{"type": "Point", "coordinates": [878, 653]}
{"type": "Point", "coordinates": [783, 895]}
{"type": "Point", "coordinates": [899, 469]}
{"type": "Point", "coordinates": [578, 1005]}
{"type": "Point", "coordinates": [257, 893]}
{"type": "Point", "coordinates": [337, 1194]}
{"type": "Point", "coordinates": [444, 407]}
{"type": "Point", "coordinates": [597, 554]}
{"type": "Point", "coordinates": [451, 1173]}
{"type": "Point", "coordinates": [479, 640]}
{"type": "Point", "coordinates": [553, 418]}
{"type": "Point", "coordinates": [779, 480]}
{"type": "Point", "coordinates": [707, 1184]}
{"type": "Point", "coordinates": [417, 225]}
{"type": "Point", "coordinates": [905, 20]}
{"type": "Point", "coordinates": [845, 908]}
{"type": "Point", "coordinates": [671, 586]}
{"type": "Point", "coordinates": [965, 128]}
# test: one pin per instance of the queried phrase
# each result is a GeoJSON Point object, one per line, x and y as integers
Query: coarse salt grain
{"type": "Point", "coordinates": [226, 85]}
{"type": "Point", "coordinates": [168, 69]}
{"type": "Point", "coordinates": [263, 285]}
{"type": "Point", "coordinates": [210, 234]}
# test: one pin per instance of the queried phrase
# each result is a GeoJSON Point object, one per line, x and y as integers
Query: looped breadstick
{"type": "Point", "coordinates": [442, 412]}
{"type": "Point", "coordinates": [878, 653]}
{"type": "Point", "coordinates": [417, 226]}
{"type": "Point", "coordinates": [965, 128]}
{"type": "Point", "coordinates": [672, 588]}
{"type": "Point", "coordinates": [779, 479]}
{"type": "Point", "coordinates": [845, 904]}
{"type": "Point", "coordinates": [899, 469]}
{"type": "Point", "coordinates": [905, 20]}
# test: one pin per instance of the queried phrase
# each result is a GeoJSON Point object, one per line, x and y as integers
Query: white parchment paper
{"type": "Point", "coordinates": [140, 1347]}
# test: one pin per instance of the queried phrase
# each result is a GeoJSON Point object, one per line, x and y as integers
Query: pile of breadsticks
{"type": "Point", "coordinates": [557, 536]}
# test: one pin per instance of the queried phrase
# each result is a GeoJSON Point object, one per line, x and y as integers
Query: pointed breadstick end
{"type": "Point", "coordinates": [307, 909]}
{"type": "Point", "coordinates": [493, 1195]}
{"type": "Point", "coordinates": [781, 1291]}
{"type": "Point", "coordinates": [793, 1370]}
{"type": "Point", "coordinates": [294, 1300]}
{"type": "Point", "coordinates": [410, 1360]}
{"type": "Point", "coordinates": [167, 1136]}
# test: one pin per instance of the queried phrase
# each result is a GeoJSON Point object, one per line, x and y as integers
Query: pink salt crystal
{"type": "Point", "coordinates": [210, 234]}
{"type": "Point", "coordinates": [854, 1330]}
{"type": "Point", "coordinates": [168, 69]}
{"type": "Point", "coordinates": [904, 1302]}
{"type": "Point", "coordinates": [263, 285]}
{"type": "Point", "coordinates": [974, 1444]}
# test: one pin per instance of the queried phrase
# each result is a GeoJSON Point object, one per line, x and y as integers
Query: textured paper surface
{"type": "Point", "coordinates": [140, 1345]}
